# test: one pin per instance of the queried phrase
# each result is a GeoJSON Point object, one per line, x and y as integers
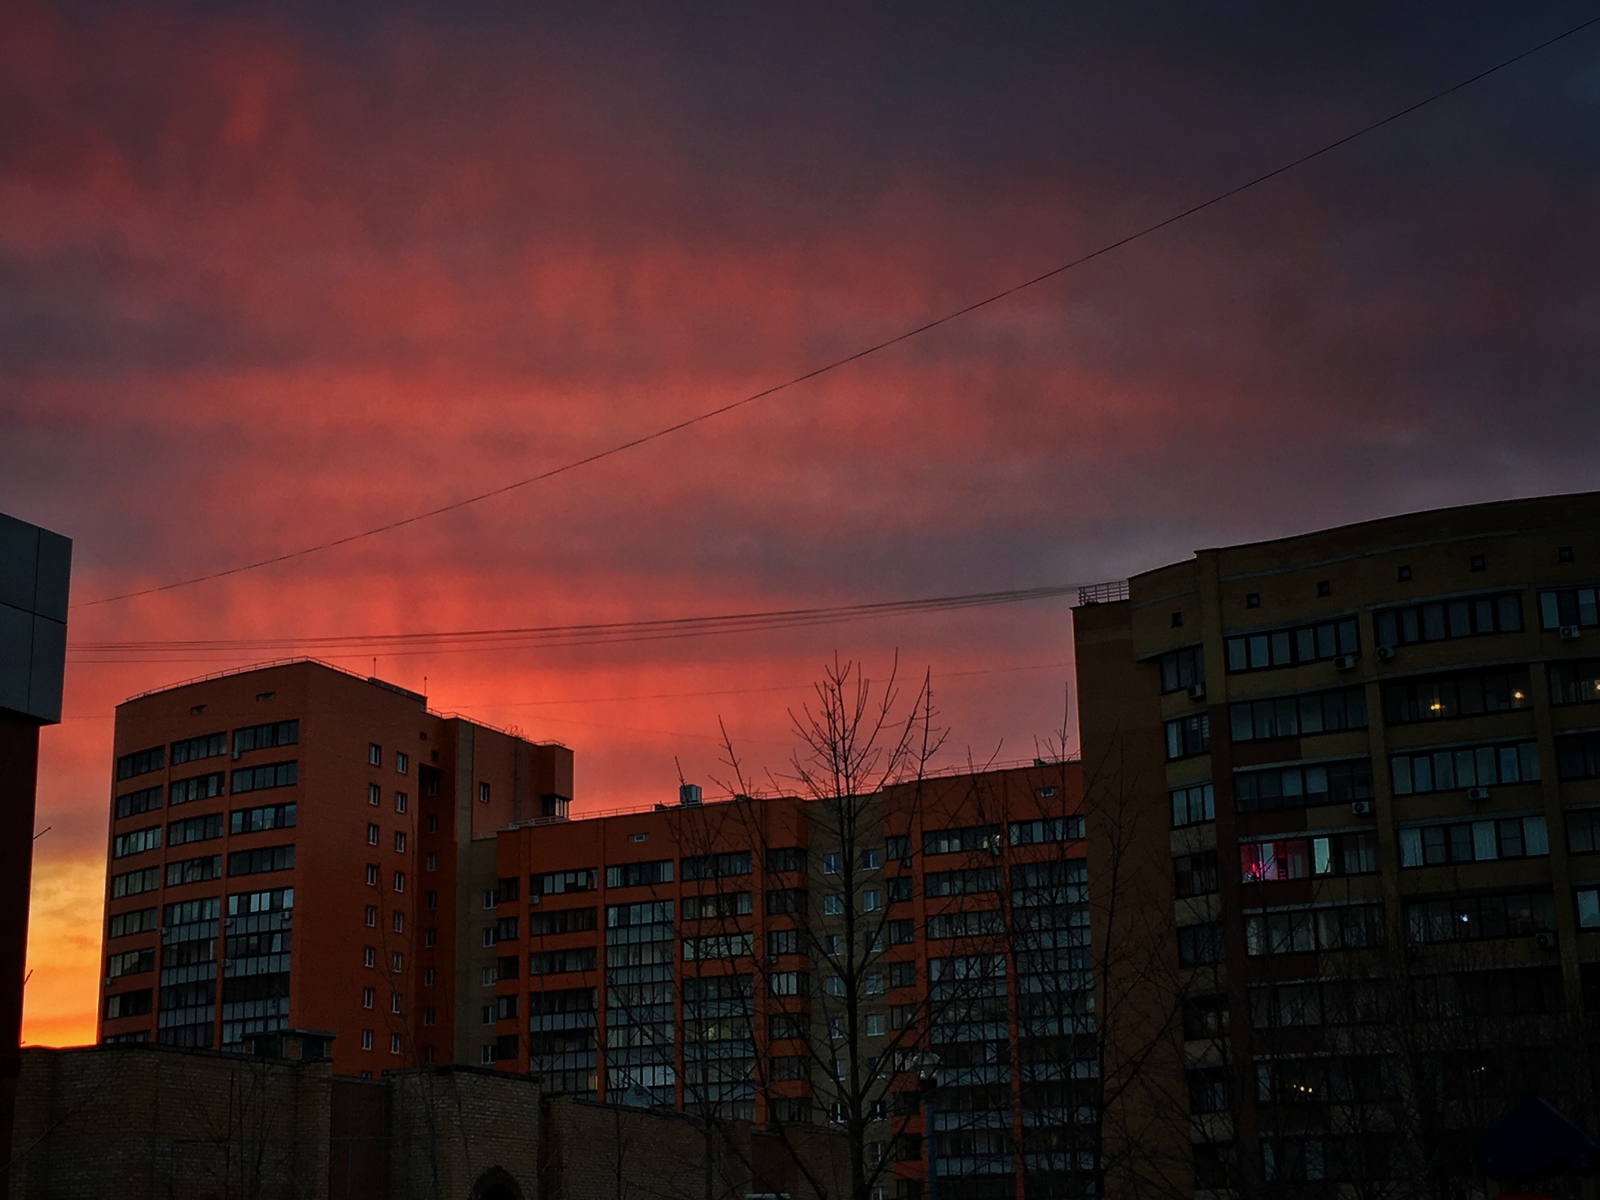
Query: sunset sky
{"type": "Point", "coordinates": [272, 276]}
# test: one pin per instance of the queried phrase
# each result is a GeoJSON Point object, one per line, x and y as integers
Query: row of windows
{"type": "Point", "coordinates": [1296, 716]}
{"type": "Point", "coordinates": [1444, 620]}
{"type": "Point", "coordinates": [1295, 931]}
{"type": "Point", "coordinates": [1322, 856]}
{"type": "Point", "coordinates": [201, 869]}
{"type": "Point", "coordinates": [204, 828]}
{"type": "Point", "coordinates": [1471, 694]}
{"type": "Point", "coordinates": [1571, 607]}
{"type": "Point", "coordinates": [1464, 767]}
{"type": "Point", "coordinates": [1302, 786]}
{"type": "Point", "coordinates": [1473, 841]}
{"type": "Point", "coordinates": [209, 745]}
{"type": "Point", "coordinates": [1292, 646]}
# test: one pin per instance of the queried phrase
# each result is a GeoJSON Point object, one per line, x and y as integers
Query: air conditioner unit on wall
{"type": "Point", "coordinates": [1477, 793]}
{"type": "Point", "coordinates": [1345, 662]}
{"type": "Point", "coordinates": [1570, 633]}
{"type": "Point", "coordinates": [1361, 808]}
{"type": "Point", "coordinates": [1197, 691]}
{"type": "Point", "coordinates": [1413, 951]}
{"type": "Point", "coordinates": [1545, 940]}
{"type": "Point", "coordinates": [1385, 653]}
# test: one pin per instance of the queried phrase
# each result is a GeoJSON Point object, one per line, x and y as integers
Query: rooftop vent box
{"type": "Point", "coordinates": [689, 795]}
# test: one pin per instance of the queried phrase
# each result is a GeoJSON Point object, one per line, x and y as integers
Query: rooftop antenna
{"type": "Point", "coordinates": [679, 765]}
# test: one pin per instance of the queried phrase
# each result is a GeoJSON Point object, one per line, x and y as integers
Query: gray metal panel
{"type": "Point", "coordinates": [19, 562]}
{"type": "Point", "coordinates": [53, 576]}
{"type": "Point", "coordinates": [16, 657]}
{"type": "Point", "coordinates": [49, 665]}
{"type": "Point", "coordinates": [35, 569]}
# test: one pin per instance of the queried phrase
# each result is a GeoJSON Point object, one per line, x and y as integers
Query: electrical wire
{"type": "Point", "coordinates": [857, 356]}
{"type": "Point", "coordinates": [528, 637]}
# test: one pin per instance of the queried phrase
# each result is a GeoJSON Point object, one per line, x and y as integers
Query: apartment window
{"type": "Point", "coordinates": [970, 838]}
{"type": "Point", "coordinates": [194, 870]}
{"type": "Point", "coordinates": [489, 975]}
{"type": "Point", "coordinates": [1188, 736]}
{"type": "Point", "coordinates": [128, 1004]}
{"type": "Point", "coordinates": [398, 921]}
{"type": "Point", "coordinates": [399, 881]}
{"type": "Point", "coordinates": [1569, 607]}
{"type": "Point", "coordinates": [1200, 944]}
{"type": "Point", "coordinates": [210, 745]}
{"type": "Point", "coordinates": [875, 1025]}
{"type": "Point", "coordinates": [264, 737]}
{"type": "Point", "coordinates": [564, 920]}
{"type": "Point", "coordinates": [483, 793]}
{"type": "Point", "coordinates": [787, 983]}
{"type": "Point", "coordinates": [1574, 682]}
{"type": "Point", "coordinates": [1588, 901]}
{"type": "Point", "coordinates": [1192, 805]}
{"type": "Point", "coordinates": [399, 841]}
{"type": "Point", "coordinates": [1464, 767]}
{"type": "Point", "coordinates": [372, 916]}
{"type": "Point", "coordinates": [900, 889]}
{"type": "Point", "coordinates": [374, 795]}
{"type": "Point", "coordinates": [1177, 620]}
{"type": "Point", "coordinates": [1327, 927]}
{"type": "Point", "coordinates": [1045, 830]}
{"type": "Point", "coordinates": [430, 938]}
{"type": "Point", "coordinates": [715, 905]}
{"type": "Point", "coordinates": [432, 823]}
{"type": "Point", "coordinates": [780, 901]}
{"type": "Point", "coordinates": [1302, 786]}
{"type": "Point", "coordinates": [372, 835]}
{"type": "Point", "coordinates": [784, 1067]}
{"type": "Point", "coordinates": [399, 802]}
{"type": "Point", "coordinates": [140, 840]}
{"type": "Point", "coordinates": [396, 961]}
{"type": "Point", "coordinates": [1205, 1017]}
{"type": "Point", "coordinates": [1289, 647]}
{"type": "Point", "coordinates": [1473, 841]}
{"type": "Point", "coordinates": [261, 860]}
{"type": "Point", "coordinates": [640, 874]}
{"type": "Point", "coordinates": [135, 803]}
{"type": "Point", "coordinates": [141, 762]}
{"type": "Point", "coordinates": [903, 974]}
{"type": "Point", "coordinates": [132, 883]}
{"type": "Point", "coordinates": [783, 941]}
{"type": "Point", "coordinates": [1298, 716]}
{"type": "Point", "coordinates": [1208, 1089]}
{"type": "Point", "coordinates": [367, 997]}
{"type": "Point", "coordinates": [871, 860]}
{"type": "Point", "coordinates": [402, 762]}
{"type": "Point", "coordinates": [1195, 874]}
{"type": "Point", "coordinates": [1322, 856]}
{"type": "Point", "coordinates": [269, 775]}
{"type": "Point", "coordinates": [971, 881]}
{"type": "Point", "coordinates": [1442, 697]}
{"type": "Point", "coordinates": [131, 962]}
{"type": "Point", "coordinates": [427, 1016]}
{"type": "Point", "coordinates": [871, 900]}
{"type": "Point", "coordinates": [785, 858]}
{"type": "Point", "coordinates": [430, 862]}
{"type": "Point", "coordinates": [140, 920]}
{"type": "Point", "coordinates": [369, 957]}
{"type": "Point", "coordinates": [366, 1039]}
{"type": "Point", "coordinates": [375, 754]}
{"type": "Point", "coordinates": [558, 883]}
{"type": "Point", "coordinates": [1578, 755]}
{"type": "Point", "coordinates": [902, 933]}
{"type": "Point", "coordinates": [1583, 830]}
{"type": "Point", "coordinates": [833, 904]}
{"type": "Point", "coordinates": [1442, 620]}
{"type": "Point", "coordinates": [394, 1042]}
{"type": "Point", "coordinates": [897, 846]}
{"type": "Point", "coordinates": [1182, 669]}
{"type": "Point", "coordinates": [199, 787]}
{"type": "Point", "coordinates": [1476, 918]}
{"type": "Point", "coordinates": [832, 862]}
{"type": "Point", "coordinates": [967, 923]}
{"type": "Point", "coordinates": [267, 816]}
{"type": "Point", "coordinates": [372, 874]}
{"type": "Point", "coordinates": [505, 929]}
{"type": "Point", "coordinates": [427, 976]}
{"type": "Point", "coordinates": [716, 866]}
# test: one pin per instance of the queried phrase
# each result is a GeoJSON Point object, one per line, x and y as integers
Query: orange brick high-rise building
{"type": "Point", "coordinates": [298, 847]}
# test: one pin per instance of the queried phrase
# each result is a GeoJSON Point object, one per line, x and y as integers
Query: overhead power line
{"type": "Point", "coordinates": [865, 352]}
{"type": "Point", "coordinates": [459, 641]}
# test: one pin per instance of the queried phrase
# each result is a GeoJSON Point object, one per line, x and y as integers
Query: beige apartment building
{"type": "Point", "coordinates": [1368, 759]}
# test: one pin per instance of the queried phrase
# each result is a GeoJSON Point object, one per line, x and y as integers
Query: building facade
{"type": "Point", "coordinates": [795, 960]}
{"type": "Point", "coordinates": [296, 846]}
{"type": "Point", "coordinates": [1371, 756]}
